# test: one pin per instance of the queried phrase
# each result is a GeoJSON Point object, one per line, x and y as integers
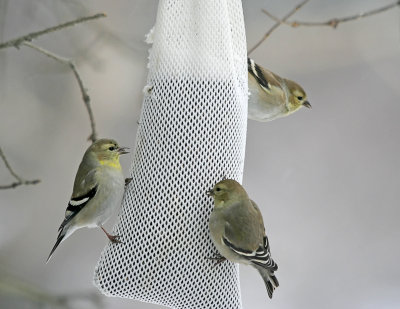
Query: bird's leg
{"type": "Point", "coordinates": [218, 258]}
{"type": "Point", "coordinates": [113, 238]}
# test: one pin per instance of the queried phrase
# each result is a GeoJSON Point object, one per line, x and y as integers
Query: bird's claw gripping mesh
{"type": "Point", "coordinates": [192, 133]}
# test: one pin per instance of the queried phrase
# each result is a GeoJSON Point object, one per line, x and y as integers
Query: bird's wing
{"type": "Point", "coordinates": [264, 250]}
{"type": "Point", "coordinates": [260, 257]}
{"type": "Point", "coordinates": [270, 82]}
{"type": "Point", "coordinates": [255, 70]}
{"type": "Point", "coordinates": [242, 226]}
{"type": "Point", "coordinates": [263, 256]}
{"type": "Point", "coordinates": [79, 200]}
{"type": "Point", "coordinates": [245, 235]}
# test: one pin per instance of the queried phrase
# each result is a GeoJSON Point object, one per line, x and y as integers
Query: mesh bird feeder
{"type": "Point", "coordinates": [192, 133]}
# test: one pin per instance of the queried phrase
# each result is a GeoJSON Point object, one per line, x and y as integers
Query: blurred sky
{"type": "Point", "coordinates": [326, 179]}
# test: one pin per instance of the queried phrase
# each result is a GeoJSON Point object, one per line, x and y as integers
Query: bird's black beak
{"type": "Point", "coordinates": [123, 150]}
{"type": "Point", "coordinates": [210, 192]}
{"type": "Point", "coordinates": [307, 104]}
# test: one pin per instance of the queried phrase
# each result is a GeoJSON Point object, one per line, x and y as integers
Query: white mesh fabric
{"type": "Point", "coordinates": [192, 133]}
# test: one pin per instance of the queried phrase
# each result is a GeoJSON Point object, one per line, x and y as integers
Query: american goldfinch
{"type": "Point", "coordinates": [98, 190]}
{"type": "Point", "coordinates": [237, 230]}
{"type": "Point", "coordinates": [271, 96]}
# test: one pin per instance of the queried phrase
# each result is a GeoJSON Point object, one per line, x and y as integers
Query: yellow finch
{"type": "Point", "coordinates": [98, 190]}
{"type": "Point", "coordinates": [237, 230]}
{"type": "Point", "coordinates": [271, 96]}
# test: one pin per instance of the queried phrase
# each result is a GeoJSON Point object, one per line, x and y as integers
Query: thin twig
{"type": "Point", "coordinates": [29, 37]}
{"type": "Point", "coordinates": [277, 24]}
{"type": "Point", "coordinates": [26, 39]}
{"type": "Point", "coordinates": [85, 95]}
{"type": "Point", "coordinates": [334, 22]}
{"type": "Point", "coordinates": [20, 181]}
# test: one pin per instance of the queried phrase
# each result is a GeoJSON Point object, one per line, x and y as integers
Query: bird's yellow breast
{"type": "Point", "coordinates": [111, 163]}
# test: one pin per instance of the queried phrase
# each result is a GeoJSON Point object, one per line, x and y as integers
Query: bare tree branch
{"type": "Point", "coordinates": [85, 96]}
{"type": "Point", "coordinates": [31, 36]}
{"type": "Point", "coordinates": [26, 39]}
{"type": "Point", "coordinates": [20, 181]}
{"type": "Point", "coordinates": [334, 22]}
{"type": "Point", "coordinates": [277, 24]}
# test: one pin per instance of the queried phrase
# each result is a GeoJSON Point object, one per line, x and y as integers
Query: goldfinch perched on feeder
{"type": "Point", "coordinates": [98, 189]}
{"type": "Point", "coordinates": [271, 96]}
{"type": "Point", "coordinates": [237, 230]}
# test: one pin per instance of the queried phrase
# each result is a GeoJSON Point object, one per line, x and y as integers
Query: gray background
{"type": "Point", "coordinates": [326, 179]}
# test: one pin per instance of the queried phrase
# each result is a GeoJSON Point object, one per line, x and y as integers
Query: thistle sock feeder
{"type": "Point", "coordinates": [192, 133]}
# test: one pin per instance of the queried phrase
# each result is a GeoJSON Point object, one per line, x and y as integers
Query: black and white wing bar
{"type": "Point", "coordinates": [76, 204]}
{"type": "Point", "coordinates": [260, 257]}
{"type": "Point", "coordinates": [255, 70]}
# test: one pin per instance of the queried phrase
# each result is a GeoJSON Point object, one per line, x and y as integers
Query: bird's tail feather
{"type": "Point", "coordinates": [60, 238]}
{"type": "Point", "coordinates": [270, 280]}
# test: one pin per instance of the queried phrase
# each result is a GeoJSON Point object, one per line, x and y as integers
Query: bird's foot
{"type": "Point", "coordinates": [115, 239]}
{"type": "Point", "coordinates": [128, 181]}
{"type": "Point", "coordinates": [218, 258]}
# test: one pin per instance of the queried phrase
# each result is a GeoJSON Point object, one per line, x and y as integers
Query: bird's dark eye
{"type": "Point", "coordinates": [218, 189]}
{"type": "Point", "coordinates": [112, 148]}
{"type": "Point", "coordinates": [300, 98]}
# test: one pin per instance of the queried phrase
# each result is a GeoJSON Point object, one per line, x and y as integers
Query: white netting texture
{"type": "Point", "coordinates": [192, 133]}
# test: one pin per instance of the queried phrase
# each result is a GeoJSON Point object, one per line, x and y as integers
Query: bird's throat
{"type": "Point", "coordinates": [110, 163]}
